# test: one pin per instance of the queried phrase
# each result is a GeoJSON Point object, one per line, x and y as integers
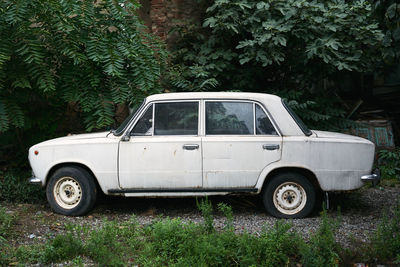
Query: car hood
{"type": "Point", "coordinates": [340, 136]}
{"type": "Point", "coordinates": [66, 139]}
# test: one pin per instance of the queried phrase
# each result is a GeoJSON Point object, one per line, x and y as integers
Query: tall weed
{"type": "Point", "coordinates": [228, 213]}
{"type": "Point", "coordinates": [206, 209]}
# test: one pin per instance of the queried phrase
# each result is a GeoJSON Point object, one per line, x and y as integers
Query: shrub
{"type": "Point", "coordinates": [322, 249]}
{"type": "Point", "coordinates": [14, 187]}
{"type": "Point", "coordinates": [105, 247]}
{"type": "Point", "coordinates": [276, 246]}
{"type": "Point", "coordinates": [386, 239]}
{"type": "Point", "coordinates": [389, 163]}
{"type": "Point", "coordinates": [168, 241]}
{"type": "Point", "coordinates": [63, 247]}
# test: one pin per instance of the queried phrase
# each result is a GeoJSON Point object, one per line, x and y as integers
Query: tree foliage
{"type": "Point", "coordinates": [388, 13]}
{"type": "Point", "coordinates": [289, 47]}
{"type": "Point", "coordinates": [92, 53]}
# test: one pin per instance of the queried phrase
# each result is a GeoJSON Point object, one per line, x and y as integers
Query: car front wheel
{"type": "Point", "coordinates": [71, 191]}
{"type": "Point", "coordinates": [289, 195]}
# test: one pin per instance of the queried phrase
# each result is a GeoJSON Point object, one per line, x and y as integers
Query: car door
{"type": "Point", "coordinates": [239, 142]}
{"type": "Point", "coordinates": [164, 149]}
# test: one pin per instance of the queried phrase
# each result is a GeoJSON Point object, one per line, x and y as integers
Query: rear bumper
{"type": "Point", "coordinates": [35, 180]}
{"type": "Point", "coordinates": [374, 177]}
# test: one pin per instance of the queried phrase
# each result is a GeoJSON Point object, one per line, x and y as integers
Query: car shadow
{"type": "Point", "coordinates": [343, 203]}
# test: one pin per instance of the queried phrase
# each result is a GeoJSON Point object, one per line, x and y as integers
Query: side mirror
{"type": "Point", "coordinates": [125, 138]}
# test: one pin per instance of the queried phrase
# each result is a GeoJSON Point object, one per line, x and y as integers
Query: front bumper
{"type": "Point", "coordinates": [35, 180]}
{"type": "Point", "coordinates": [374, 177]}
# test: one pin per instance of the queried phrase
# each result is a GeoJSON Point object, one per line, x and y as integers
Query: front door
{"type": "Point", "coordinates": [239, 142]}
{"type": "Point", "coordinates": [164, 150]}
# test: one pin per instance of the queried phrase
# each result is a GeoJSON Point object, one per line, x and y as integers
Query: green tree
{"type": "Point", "coordinates": [388, 13]}
{"type": "Point", "coordinates": [95, 54]}
{"type": "Point", "coordinates": [289, 47]}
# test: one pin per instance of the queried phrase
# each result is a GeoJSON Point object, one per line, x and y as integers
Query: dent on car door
{"type": "Point", "coordinates": [239, 142]}
{"type": "Point", "coordinates": [164, 150]}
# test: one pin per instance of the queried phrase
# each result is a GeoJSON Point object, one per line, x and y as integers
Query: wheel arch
{"type": "Point", "coordinates": [72, 164]}
{"type": "Point", "coordinates": [311, 177]}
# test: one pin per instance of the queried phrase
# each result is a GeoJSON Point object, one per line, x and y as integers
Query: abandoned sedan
{"type": "Point", "coordinates": [197, 144]}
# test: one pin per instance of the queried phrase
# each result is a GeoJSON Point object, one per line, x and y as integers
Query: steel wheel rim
{"type": "Point", "coordinates": [67, 192]}
{"type": "Point", "coordinates": [289, 198]}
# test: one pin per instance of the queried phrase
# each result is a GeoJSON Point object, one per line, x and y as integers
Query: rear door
{"type": "Point", "coordinates": [239, 142]}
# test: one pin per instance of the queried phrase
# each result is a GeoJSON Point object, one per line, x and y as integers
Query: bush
{"type": "Point", "coordinates": [14, 187]}
{"type": "Point", "coordinates": [63, 247]}
{"type": "Point", "coordinates": [386, 239]}
{"type": "Point", "coordinates": [277, 246]}
{"type": "Point", "coordinates": [105, 246]}
{"type": "Point", "coordinates": [322, 249]}
{"type": "Point", "coordinates": [169, 241]}
{"type": "Point", "coordinates": [389, 163]}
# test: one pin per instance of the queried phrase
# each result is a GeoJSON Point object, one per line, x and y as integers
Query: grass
{"type": "Point", "coordinates": [173, 242]}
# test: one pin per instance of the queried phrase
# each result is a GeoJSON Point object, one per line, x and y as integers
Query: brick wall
{"type": "Point", "coordinates": [162, 15]}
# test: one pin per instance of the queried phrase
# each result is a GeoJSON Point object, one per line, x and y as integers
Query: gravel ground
{"type": "Point", "coordinates": [358, 212]}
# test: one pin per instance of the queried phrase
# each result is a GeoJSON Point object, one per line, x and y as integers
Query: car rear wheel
{"type": "Point", "coordinates": [71, 191]}
{"type": "Point", "coordinates": [289, 195]}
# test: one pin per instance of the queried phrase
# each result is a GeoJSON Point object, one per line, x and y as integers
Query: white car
{"type": "Point", "coordinates": [197, 144]}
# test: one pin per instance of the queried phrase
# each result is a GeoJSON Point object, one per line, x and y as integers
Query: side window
{"type": "Point", "coordinates": [229, 118]}
{"type": "Point", "coordinates": [180, 118]}
{"type": "Point", "coordinates": [145, 124]}
{"type": "Point", "coordinates": [263, 124]}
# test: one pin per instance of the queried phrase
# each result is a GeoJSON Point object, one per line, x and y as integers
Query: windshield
{"type": "Point", "coordinates": [121, 128]}
{"type": "Point", "coordinates": [297, 119]}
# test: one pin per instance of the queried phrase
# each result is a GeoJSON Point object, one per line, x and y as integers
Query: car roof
{"type": "Point", "coordinates": [213, 95]}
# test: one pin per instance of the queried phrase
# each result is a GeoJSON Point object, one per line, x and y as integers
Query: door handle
{"type": "Point", "coordinates": [270, 147]}
{"type": "Point", "coordinates": [190, 147]}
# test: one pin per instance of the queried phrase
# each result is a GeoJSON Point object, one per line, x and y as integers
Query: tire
{"type": "Point", "coordinates": [71, 191]}
{"type": "Point", "coordinates": [289, 195]}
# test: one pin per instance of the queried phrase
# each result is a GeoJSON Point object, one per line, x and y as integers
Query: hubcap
{"type": "Point", "coordinates": [289, 198]}
{"type": "Point", "coordinates": [67, 192]}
